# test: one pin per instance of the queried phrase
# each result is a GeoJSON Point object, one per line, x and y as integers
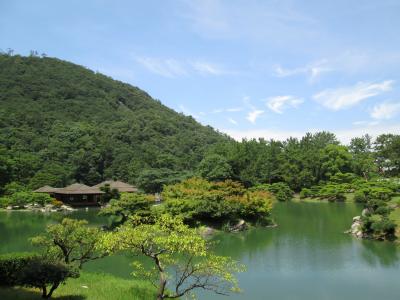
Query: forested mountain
{"type": "Point", "coordinates": [60, 122]}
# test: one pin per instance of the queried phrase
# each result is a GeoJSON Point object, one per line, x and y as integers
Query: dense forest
{"type": "Point", "coordinates": [60, 123]}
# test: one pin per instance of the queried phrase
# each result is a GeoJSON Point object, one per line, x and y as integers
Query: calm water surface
{"type": "Point", "coordinates": [306, 257]}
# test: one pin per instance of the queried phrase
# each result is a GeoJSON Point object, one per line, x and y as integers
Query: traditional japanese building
{"type": "Point", "coordinates": [76, 194]}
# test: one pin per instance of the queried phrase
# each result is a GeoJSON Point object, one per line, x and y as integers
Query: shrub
{"type": "Point", "coordinates": [360, 197]}
{"type": "Point", "coordinates": [343, 178]}
{"type": "Point", "coordinates": [57, 203]}
{"type": "Point", "coordinates": [41, 274]}
{"type": "Point", "coordinates": [305, 193]}
{"type": "Point", "coordinates": [198, 200]}
{"type": "Point", "coordinates": [20, 199]}
{"type": "Point", "coordinates": [280, 190]}
{"type": "Point", "coordinates": [31, 270]}
{"type": "Point", "coordinates": [4, 202]}
{"type": "Point", "coordinates": [11, 265]}
{"type": "Point", "coordinates": [41, 198]}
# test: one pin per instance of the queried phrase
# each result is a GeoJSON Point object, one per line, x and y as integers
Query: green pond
{"type": "Point", "coordinates": [306, 257]}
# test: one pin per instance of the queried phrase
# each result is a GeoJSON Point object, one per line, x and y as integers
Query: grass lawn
{"type": "Point", "coordinates": [89, 286]}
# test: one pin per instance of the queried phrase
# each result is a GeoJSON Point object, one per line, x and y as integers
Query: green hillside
{"type": "Point", "coordinates": [60, 122]}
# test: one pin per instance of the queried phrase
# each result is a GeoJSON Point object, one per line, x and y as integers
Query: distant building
{"type": "Point", "coordinates": [122, 187]}
{"type": "Point", "coordinates": [46, 189]}
{"type": "Point", "coordinates": [76, 194]}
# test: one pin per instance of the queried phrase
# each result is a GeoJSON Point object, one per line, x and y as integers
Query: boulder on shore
{"type": "Point", "coordinates": [240, 226]}
{"type": "Point", "coordinates": [356, 227]}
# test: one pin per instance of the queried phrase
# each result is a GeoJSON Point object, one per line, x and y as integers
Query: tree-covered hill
{"type": "Point", "coordinates": [60, 122]}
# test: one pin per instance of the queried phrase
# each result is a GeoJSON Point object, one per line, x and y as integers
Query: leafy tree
{"type": "Point", "coordinates": [387, 153]}
{"type": "Point", "coordinates": [280, 190]}
{"type": "Point", "coordinates": [109, 193]}
{"type": "Point", "coordinates": [198, 200]}
{"type": "Point", "coordinates": [180, 257]}
{"type": "Point", "coordinates": [71, 241]}
{"type": "Point", "coordinates": [215, 168]}
{"type": "Point", "coordinates": [128, 205]}
{"type": "Point", "coordinates": [152, 180]}
{"type": "Point", "coordinates": [20, 199]}
{"type": "Point", "coordinates": [363, 157]}
{"type": "Point", "coordinates": [32, 270]}
{"type": "Point", "coordinates": [335, 159]}
{"type": "Point", "coordinates": [40, 273]}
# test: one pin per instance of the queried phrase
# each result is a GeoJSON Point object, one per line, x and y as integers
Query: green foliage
{"type": "Point", "coordinates": [198, 200]}
{"type": "Point", "coordinates": [129, 204]}
{"type": "Point", "coordinates": [335, 159]}
{"type": "Point", "coordinates": [305, 193]}
{"type": "Point", "coordinates": [180, 258]}
{"type": "Point", "coordinates": [11, 265]}
{"type": "Point", "coordinates": [13, 187]}
{"type": "Point", "coordinates": [109, 193]}
{"type": "Point", "coordinates": [61, 122]}
{"type": "Point", "coordinates": [20, 199]}
{"type": "Point", "coordinates": [71, 242]}
{"type": "Point", "coordinates": [153, 180]}
{"type": "Point", "coordinates": [378, 227]}
{"type": "Point", "coordinates": [40, 274]}
{"type": "Point", "coordinates": [215, 167]}
{"type": "Point", "coordinates": [280, 190]}
{"type": "Point", "coordinates": [31, 270]}
{"type": "Point", "coordinates": [360, 196]}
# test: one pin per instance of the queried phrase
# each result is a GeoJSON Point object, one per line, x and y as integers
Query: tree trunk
{"type": "Point", "coordinates": [44, 291]}
{"type": "Point", "coordinates": [161, 286]}
{"type": "Point", "coordinates": [54, 286]}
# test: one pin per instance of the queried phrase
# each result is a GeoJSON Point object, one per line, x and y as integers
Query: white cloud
{"type": "Point", "coordinates": [172, 68]}
{"type": "Point", "coordinates": [312, 70]}
{"type": "Point", "coordinates": [344, 135]}
{"type": "Point", "coordinates": [234, 109]}
{"type": "Point", "coordinates": [230, 110]}
{"type": "Point", "coordinates": [385, 110]}
{"type": "Point", "coordinates": [232, 121]}
{"type": "Point", "coordinates": [253, 115]}
{"type": "Point", "coordinates": [345, 97]}
{"type": "Point", "coordinates": [165, 67]}
{"type": "Point", "coordinates": [279, 103]}
{"type": "Point", "coordinates": [206, 68]}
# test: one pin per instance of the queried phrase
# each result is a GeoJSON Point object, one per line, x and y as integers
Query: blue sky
{"type": "Point", "coordinates": [268, 69]}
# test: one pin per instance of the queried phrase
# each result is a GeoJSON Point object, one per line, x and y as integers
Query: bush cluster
{"type": "Point", "coordinates": [200, 201]}
{"type": "Point", "coordinates": [31, 270]}
{"type": "Point", "coordinates": [20, 199]}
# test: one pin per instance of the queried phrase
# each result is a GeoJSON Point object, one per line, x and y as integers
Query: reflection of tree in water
{"type": "Point", "coordinates": [16, 227]}
{"type": "Point", "coordinates": [376, 253]}
{"type": "Point", "coordinates": [309, 235]}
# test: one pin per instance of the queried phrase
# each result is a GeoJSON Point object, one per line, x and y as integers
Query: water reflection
{"type": "Point", "coordinates": [306, 257]}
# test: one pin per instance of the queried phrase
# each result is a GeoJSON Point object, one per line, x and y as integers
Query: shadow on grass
{"type": "Point", "coordinates": [25, 294]}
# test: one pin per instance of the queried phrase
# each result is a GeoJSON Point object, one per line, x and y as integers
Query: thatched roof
{"type": "Point", "coordinates": [78, 188]}
{"type": "Point", "coordinates": [45, 189]}
{"type": "Point", "coordinates": [119, 185]}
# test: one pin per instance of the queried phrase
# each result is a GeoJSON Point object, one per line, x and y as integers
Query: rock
{"type": "Point", "coordinates": [356, 227]}
{"type": "Point", "coordinates": [240, 226]}
{"type": "Point", "coordinates": [9, 207]}
{"type": "Point", "coordinates": [66, 208]}
{"type": "Point", "coordinates": [365, 212]}
{"type": "Point", "coordinates": [207, 231]}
